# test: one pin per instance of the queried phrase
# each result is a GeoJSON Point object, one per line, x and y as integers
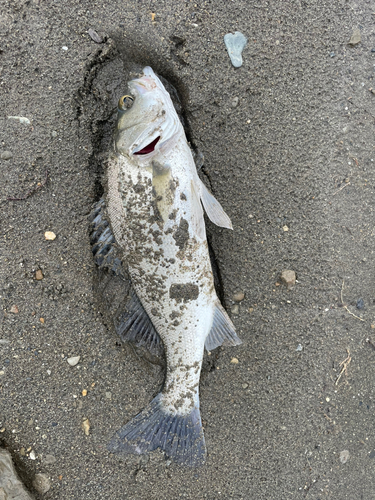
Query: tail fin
{"type": "Point", "coordinates": [180, 436]}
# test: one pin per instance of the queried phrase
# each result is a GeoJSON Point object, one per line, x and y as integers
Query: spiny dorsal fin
{"type": "Point", "coordinates": [213, 208]}
{"type": "Point", "coordinates": [222, 330]}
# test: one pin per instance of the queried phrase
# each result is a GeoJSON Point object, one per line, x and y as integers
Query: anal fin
{"type": "Point", "coordinates": [222, 331]}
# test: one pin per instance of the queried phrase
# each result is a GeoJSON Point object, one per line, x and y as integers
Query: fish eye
{"type": "Point", "coordinates": [125, 102]}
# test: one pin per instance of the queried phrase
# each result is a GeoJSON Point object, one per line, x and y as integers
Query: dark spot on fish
{"type": "Point", "coordinates": [183, 196]}
{"type": "Point", "coordinates": [181, 235]}
{"type": "Point", "coordinates": [172, 215]}
{"type": "Point", "coordinates": [157, 215]}
{"type": "Point", "coordinates": [168, 231]}
{"type": "Point", "coordinates": [174, 314]}
{"type": "Point", "coordinates": [139, 188]}
{"type": "Point", "coordinates": [156, 235]}
{"type": "Point", "coordinates": [159, 169]}
{"type": "Point", "coordinates": [154, 311]}
{"type": "Point", "coordinates": [183, 292]}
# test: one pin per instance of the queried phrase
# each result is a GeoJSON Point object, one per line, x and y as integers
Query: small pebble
{"type": "Point", "coordinates": [49, 235]}
{"type": "Point", "coordinates": [251, 309]}
{"type": "Point", "coordinates": [86, 426]}
{"type": "Point", "coordinates": [64, 47]}
{"type": "Point", "coordinates": [41, 320]}
{"type": "Point", "coordinates": [355, 38]}
{"type": "Point", "coordinates": [74, 360]}
{"type": "Point", "coordinates": [22, 451]}
{"type": "Point", "coordinates": [372, 50]}
{"type": "Point", "coordinates": [235, 44]}
{"type": "Point", "coordinates": [39, 275]}
{"type": "Point", "coordinates": [20, 119]}
{"type": "Point", "coordinates": [49, 460]}
{"type": "Point", "coordinates": [360, 304]}
{"type": "Point", "coordinates": [49, 372]}
{"type": "Point", "coordinates": [289, 278]}
{"type": "Point", "coordinates": [108, 395]}
{"type": "Point", "coordinates": [14, 309]}
{"type": "Point", "coordinates": [94, 36]}
{"type": "Point", "coordinates": [237, 297]}
{"type": "Point", "coordinates": [332, 54]}
{"type": "Point", "coordinates": [285, 228]}
{"type": "Point", "coordinates": [32, 455]}
{"type": "Point", "coordinates": [41, 483]}
{"type": "Point", "coordinates": [54, 133]}
{"type": "Point", "coordinates": [245, 386]}
{"type": "Point", "coordinates": [344, 456]}
{"type": "Point", "coordinates": [235, 309]}
{"type": "Point", "coordinates": [299, 347]}
{"type": "Point", "coordinates": [84, 392]}
{"type": "Point", "coordinates": [234, 361]}
{"type": "Point", "coordinates": [234, 102]}
{"type": "Point", "coordinates": [6, 155]}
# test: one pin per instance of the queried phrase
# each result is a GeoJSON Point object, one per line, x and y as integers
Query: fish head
{"type": "Point", "coordinates": [147, 122]}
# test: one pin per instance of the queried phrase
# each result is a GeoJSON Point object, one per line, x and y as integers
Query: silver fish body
{"type": "Point", "coordinates": [154, 205]}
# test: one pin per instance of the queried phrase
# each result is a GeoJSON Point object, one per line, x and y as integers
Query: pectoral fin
{"type": "Point", "coordinates": [197, 220]}
{"type": "Point", "coordinates": [213, 208]}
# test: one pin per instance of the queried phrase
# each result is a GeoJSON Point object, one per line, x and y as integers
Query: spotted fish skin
{"type": "Point", "coordinates": [154, 205]}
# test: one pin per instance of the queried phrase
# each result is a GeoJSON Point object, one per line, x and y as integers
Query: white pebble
{"type": "Point", "coordinates": [21, 119]}
{"type": "Point", "coordinates": [235, 44]}
{"type": "Point", "coordinates": [64, 47]}
{"type": "Point", "coordinates": [73, 361]}
{"type": "Point", "coordinates": [49, 235]}
{"type": "Point", "coordinates": [344, 456]}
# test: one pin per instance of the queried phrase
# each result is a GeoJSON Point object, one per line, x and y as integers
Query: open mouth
{"type": "Point", "coordinates": [149, 148]}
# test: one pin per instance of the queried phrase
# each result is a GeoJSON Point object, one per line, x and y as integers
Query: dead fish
{"type": "Point", "coordinates": [154, 206]}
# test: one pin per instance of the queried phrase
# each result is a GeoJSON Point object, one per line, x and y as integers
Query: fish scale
{"type": "Point", "coordinates": [154, 205]}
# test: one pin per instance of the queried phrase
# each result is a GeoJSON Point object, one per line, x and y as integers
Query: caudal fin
{"type": "Point", "coordinates": [180, 436]}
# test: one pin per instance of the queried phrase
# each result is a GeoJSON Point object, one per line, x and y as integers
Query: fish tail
{"type": "Point", "coordinates": [179, 436]}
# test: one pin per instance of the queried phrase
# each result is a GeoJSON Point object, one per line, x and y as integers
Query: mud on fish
{"type": "Point", "coordinates": [153, 210]}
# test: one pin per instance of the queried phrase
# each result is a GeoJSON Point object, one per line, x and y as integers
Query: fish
{"type": "Point", "coordinates": [154, 200]}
